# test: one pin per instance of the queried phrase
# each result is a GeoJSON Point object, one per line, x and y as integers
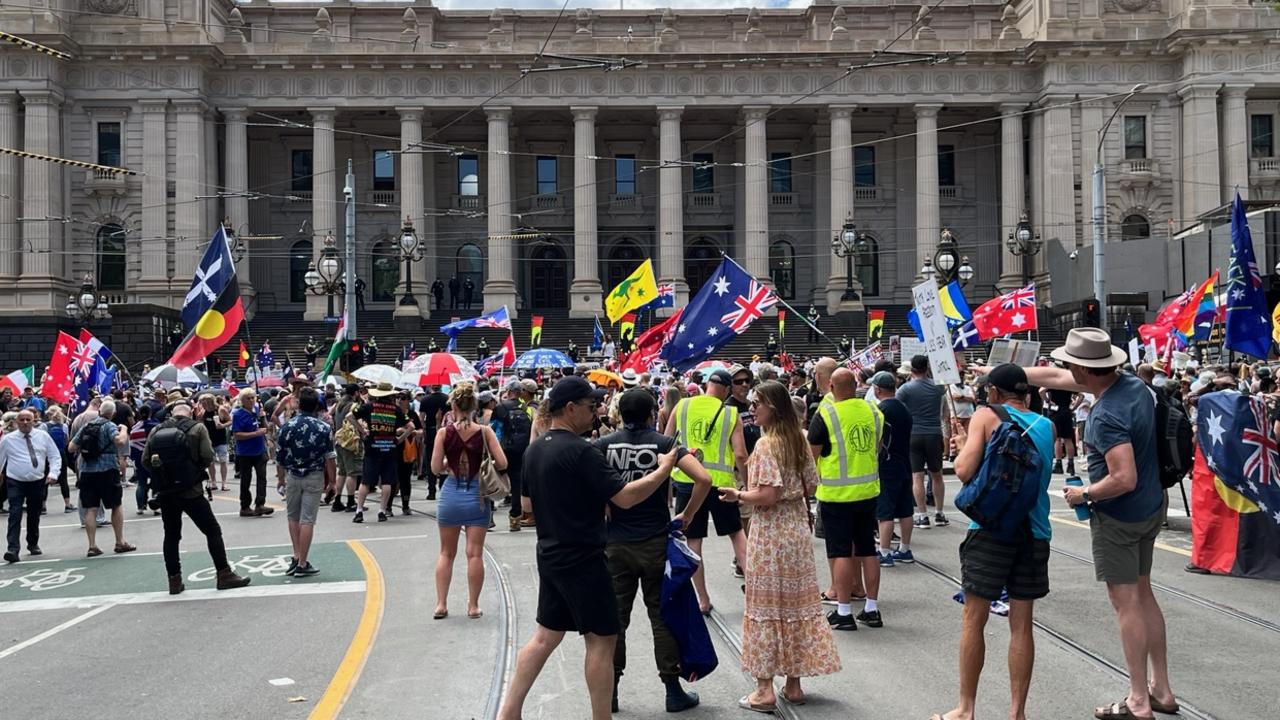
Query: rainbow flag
{"type": "Point", "coordinates": [1199, 305]}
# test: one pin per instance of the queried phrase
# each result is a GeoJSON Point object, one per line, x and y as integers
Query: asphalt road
{"type": "Point", "coordinates": [102, 637]}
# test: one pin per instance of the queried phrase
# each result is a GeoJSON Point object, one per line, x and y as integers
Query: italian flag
{"type": "Point", "coordinates": [19, 380]}
{"type": "Point", "coordinates": [340, 345]}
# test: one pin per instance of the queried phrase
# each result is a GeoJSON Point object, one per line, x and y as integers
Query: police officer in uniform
{"type": "Point", "coordinates": [482, 349]}
{"type": "Point", "coordinates": [709, 427]}
{"type": "Point", "coordinates": [845, 438]}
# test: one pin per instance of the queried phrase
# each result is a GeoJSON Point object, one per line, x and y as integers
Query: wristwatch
{"type": "Point", "coordinates": [1087, 500]}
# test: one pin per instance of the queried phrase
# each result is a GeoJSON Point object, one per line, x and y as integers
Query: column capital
{"type": "Point", "coordinates": [1201, 92]}
{"type": "Point", "coordinates": [841, 111]}
{"type": "Point", "coordinates": [1236, 90]}
{"type": "Point", "coordinates": [670, 112]}
{"type": "Point", "coordinates": [1010, 108]}
{"type": "Point", "coordinates": [753, 113]}
{"type": "Point", "coordinates": [154, 105]}
{"type": "Point", "coordinates": [498, 114]}
{"type": "Point", "coordinates": [584, 112]}
{"type": "Point", "coordinates": [323, 114]}
{"type": "Point", "coordinates": [234, 114]}
{"type": "Point", "coordinates": [927, 109]}
{"type": "Point", "coordinates": [190, 105]}
{"type": "Point", "coordinates": [8, 99]}
{"type": "Point", "coordinates": [42, 97]}
{"type": "Point", "coordinates": [411, 112]}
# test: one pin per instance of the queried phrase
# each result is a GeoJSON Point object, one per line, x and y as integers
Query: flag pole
{"type": "Point", "coordinates": [788, 306]}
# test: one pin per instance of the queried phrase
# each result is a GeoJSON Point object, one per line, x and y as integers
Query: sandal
{"type": "Point", "coordinates": [745, 703]}
{"type": "Point", "coordinates": [1119, 711]}
{"type": "Point", "coordinates": [798, 701]}
{"type": "Point", "coordinates": [707, 612]}
{"type": "Point", "coordinates": [1170, 709]}
{"type": "Point", "coordinates": [124, 548]}
{"type": "Point", "coordinates": [93, 552]}
{"type": "Point", "coordinates": [440, 615]}
{"type": "Point", "coordinates": [476, 615]}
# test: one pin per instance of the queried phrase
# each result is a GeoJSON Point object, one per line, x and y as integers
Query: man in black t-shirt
{"type": "Point", "coordinates": [637, 536]}
{"type": "Point", "coordinates": [895, 501]}
{"type": "Point", "coordinates": [432, 409]}
{"type": "Point", "coordinates": [382, 426]}
{"type": "Point", "coordinates": [569, 484]}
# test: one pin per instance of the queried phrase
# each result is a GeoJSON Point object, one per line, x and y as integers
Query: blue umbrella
{"type": "Point", "coordinates": [543, 358]}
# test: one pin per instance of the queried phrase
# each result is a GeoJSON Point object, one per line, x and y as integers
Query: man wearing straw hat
{"type": "Point", "coordinates": [1128, 506]}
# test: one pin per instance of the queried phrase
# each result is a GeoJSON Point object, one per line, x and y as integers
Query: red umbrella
{"type": "Point", "coordinates": [438, 369]}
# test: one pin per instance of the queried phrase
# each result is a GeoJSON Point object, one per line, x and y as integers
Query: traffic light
{"type": "Point", "coordinates": [355, 355]}
{"type": "Point", "coordinates": [1092, 318]}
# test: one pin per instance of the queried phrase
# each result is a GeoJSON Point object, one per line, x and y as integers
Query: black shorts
{"type": "Point", "coordinates": [896, 500]}
{"type": "Point", "coordinates": [728, 520]}
{"type": "Point", "coordinates": [380, 468]}
{"type": "Point", "coordinates": [926, 453]}
{"type": "Point", "coordinates": [1064, 426]}
{"type": "Point", "coordinates": [850, 528]}
{"type": "Point", "coordinates": [988, 565]}
{"type": "Point", "coordinates": [100, 489]}
{"type": "Point", "coordinates": [579, 600]}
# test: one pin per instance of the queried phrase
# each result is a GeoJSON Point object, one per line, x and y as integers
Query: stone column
{"type": "Point", "coordinates": [1235, 143]}
{"type": "Point", "coordinates": [237, 169]}
{"type": "Point", "coordinates": [1059, 175]}
{"type": "Point", "coordinates": [10, 232]}
{"type": "Point", "coordinates": [928, 220]}
{"type": "Point", "coordinates": [411, 208]}
{"type": "Point", "coordinates": [156, 245]}
{"type": "Point", "coordinates": [41, 282]}
{"type": "Point", "coordinates": [324, 201]}
{"type": "Point", "coordinates": [756, 257]}
{"type": "Point", "coordinates": [189, 212]}
{"type": "Point", "coordinates": [435, 258]}
{"type": "Point", "coordinates": [1201, 189]}
{"type": "Point", "coordinates": [500, 286]}
{"type": "Point", "coordinates": [585, 291]}
{"type": "Point", "coordinates": [1012, 192]}
{"type": "Point", "coordinates": [671, 204]}
{"type": "Point", "coordinates": [841, 204]}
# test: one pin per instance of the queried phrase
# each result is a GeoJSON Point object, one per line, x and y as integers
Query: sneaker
{"type": "Point", "coordinates": [359, 518]}
{"type": "Point", "coordinates": [382, 517]}
{"type": "Point", "coordinates": [841, 622]}
{"type": "Point", "coordinates": [293, 566]}
{"type": "Point", "coordinates": [337, 506]}
{"type": "Point", "coordinates": [263, 510]}
{"type": "Point", "coordinates": [737, 570]}
{"type": "Point", "coordinates": [870, 619]}
{"type": "Point", "coordinates": [940, 520]}
{"type": "Point", "coordinates": [391, 510]}
{"type": "Point", "coordinates": [306, 570]}
{"type": "Point", "coordinates": [921, 522]}
{"type": "Point", "coordinates": [11, 557]}
{"type": "Point", "coordinates": [351, 506]}
{"type": "Point", "coordinates": [903, 556]}
{"type": "Point", "coordinates": [69, 509]}
{"type": "Point", "coordinates": [1057, 467]}
{"type": "Point", "coordinates": [34, 550]}
{"type": "Point", "coordinates": [886, 559]}
{"type": "Point", "coordinates": [247, 512]}
{"type": "Point", "coordinates": [999, 607]}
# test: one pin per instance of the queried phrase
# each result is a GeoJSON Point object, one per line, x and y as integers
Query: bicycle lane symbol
{"type": "Point", "coordinates": [44, 579]}
{"type": "Point", "coordinates": [267, 566]}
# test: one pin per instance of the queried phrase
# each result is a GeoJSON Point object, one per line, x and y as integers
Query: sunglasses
{"type": "Point", "coordinates": [743, 381]}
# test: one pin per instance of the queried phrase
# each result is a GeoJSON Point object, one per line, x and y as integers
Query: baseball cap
{"type": "Point", "coordinates": [571, 388]}
{"type": "Point", "coordinates": [884, 380]}
{"type": "Point", "coordinates": [1009, 378]}
{"type": "Point", "coordinates": [529, 386]}
{"type": "Point", "coordinates": [721, 377]}
{"type": "Point", "coordinates": [736, 368]}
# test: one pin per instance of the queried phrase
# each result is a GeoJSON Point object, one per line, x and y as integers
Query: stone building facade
{"type": "Point", "coordinates": [672, 135]}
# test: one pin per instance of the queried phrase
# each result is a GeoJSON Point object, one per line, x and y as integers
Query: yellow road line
{"type": "Point", "coordinates": [1162, 546]}
{"type": "Point", "coordinates": [348, 673]}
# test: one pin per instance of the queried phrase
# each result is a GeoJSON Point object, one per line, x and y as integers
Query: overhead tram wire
{"type": "Point", "coordinates": [31, 45]}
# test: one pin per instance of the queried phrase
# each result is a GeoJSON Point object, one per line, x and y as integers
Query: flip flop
{"type": "Point", "coordinates": [707, 612]}
{"type": "Point", "coordinates": [1119, 711]}
{"type": "Point", "coordinates": [745, 703]}
{"type": "Point", "coordinates": [442, 614]}
{"type": "Point", "coordinates": [789, 701]}
{"type": "Point", "coordinates": [476, 615]}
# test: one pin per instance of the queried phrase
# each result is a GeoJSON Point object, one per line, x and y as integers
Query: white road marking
{"type": "Point", "coordinates": [55, 630]}
{"type": "Point", "coordinates": [281, 682]}
{"type": "Point", "coordinates": [104, 601]}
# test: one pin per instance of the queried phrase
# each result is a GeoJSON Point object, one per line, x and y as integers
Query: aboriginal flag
{"type": "Point", "coordinates": [218, 324]}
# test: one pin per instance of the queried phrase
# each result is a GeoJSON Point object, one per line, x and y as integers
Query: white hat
{"type": "Point", "coordinates": [630, 378]}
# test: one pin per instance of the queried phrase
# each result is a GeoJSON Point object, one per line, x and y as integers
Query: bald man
{"type": "Point", "coordinates": [821, 387]}
{"type": "Point", "coordinates": [845, 437]}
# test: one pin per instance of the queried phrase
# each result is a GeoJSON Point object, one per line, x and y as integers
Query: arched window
{"type": "Point", "coordinates": [701, 258]}
{"type": "Point", "coordinates": [110, 257]}
{"type": "Point", "coordinates": [1135, 227]}
{"type": "Point", "coordinates": [386, 272]}
{"type": "Point", "coordinates": [867, 265]}
{"type": "Point", "coordinates": [782, 268]}
{"type": "Point", "coordinates": [299, 259]}
{"type": "Point", "coordinates": [624, 256]}
{"type": "Point", "coordinates": [470, 264]}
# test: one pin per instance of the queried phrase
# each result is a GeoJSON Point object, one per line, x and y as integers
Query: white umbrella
{"type": "Point", "coordinates": [438, 369]}
{"type": "Point", "coordinates": [377, 374]}
{"type": "Point", "coordinates": [168, 376]}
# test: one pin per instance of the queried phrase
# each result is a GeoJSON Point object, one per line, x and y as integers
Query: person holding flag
{"type": "Point", "coordinates": [213, 309]}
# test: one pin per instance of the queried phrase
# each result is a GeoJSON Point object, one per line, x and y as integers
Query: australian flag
{"type": "Point", "coordinates": [212, 274]}
{"type": "Point", "coordinates": [1248, 321]}
{"type": "Point", "coordinates": [724, 307]}
{"type": "Point", "coordinates": [499, 319]}
{"type": "Point", "coordinates": [666, 298]}
{"type": "Point", "coordinates": [597, 335]}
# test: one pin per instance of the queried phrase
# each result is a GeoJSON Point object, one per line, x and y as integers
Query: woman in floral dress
{"type": "Point", "coordinates": [784, 632]}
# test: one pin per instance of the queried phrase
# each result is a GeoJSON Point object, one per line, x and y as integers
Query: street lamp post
{"type": "Point", "coordinates": [88, 305]}
{"type": "Point", "coordinates": [846, 244]}
{"type": "Point", "coordinates": [1099, 213]}
{"type": "Point", "coordinates": [326, 277]}
{"type": "Point", "coordinates": [411, 250]}
{"type": "Point", "coordinates": [1024, 241]}
{"type": "Point", "coordinates": [947, 263]}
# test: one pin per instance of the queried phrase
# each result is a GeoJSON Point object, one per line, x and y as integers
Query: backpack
{"type": "Point", "coordinates": [170, 462]}
{"type": "Point", "coordinates": [1000, 497]}
{"type": "Point", "coordinates": [515, 436]}
{"type": "Point", "coordinates": [91, 444]}
{"type": "Point", "coordinates": [1175, 449]}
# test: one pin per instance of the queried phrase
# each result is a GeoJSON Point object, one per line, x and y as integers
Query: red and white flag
{"type": "Point", "coordinates": [60, 380]}
{"type": "Point", "coordinates": [1013, 312]}
{"type": "Point", "coordinates": [649, 345]}
{"type": "Point", "coordinates": [507, 353]}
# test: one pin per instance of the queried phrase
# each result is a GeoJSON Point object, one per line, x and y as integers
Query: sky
{"type": "Point", "coordinates": [614, 4]}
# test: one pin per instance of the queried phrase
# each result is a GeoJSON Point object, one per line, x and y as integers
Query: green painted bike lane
{"type": "Point", "coordinates": [82, 577]}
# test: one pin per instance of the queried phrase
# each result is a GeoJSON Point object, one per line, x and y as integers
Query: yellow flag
{"type": "Point", "coordinates": [638, 289]}
{"type": "Point", "coordinates": [1275, 323]}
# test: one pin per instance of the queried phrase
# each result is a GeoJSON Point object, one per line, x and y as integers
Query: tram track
{"type": "Point", "coordinates": [1203, 602]}
{"type": "Point", "coordinates": [784, 709]}
{"type": "Point", "coordinates": [1187, 709]}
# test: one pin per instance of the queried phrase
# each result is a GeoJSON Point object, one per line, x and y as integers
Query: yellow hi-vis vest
{"type": "Point", "coordinates": [693, 428]}
{"type": "Point", "coordinates": [851, 472]}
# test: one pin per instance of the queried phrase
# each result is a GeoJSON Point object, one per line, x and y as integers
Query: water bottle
{"type": "Point", "coordinates": [1082, 511]}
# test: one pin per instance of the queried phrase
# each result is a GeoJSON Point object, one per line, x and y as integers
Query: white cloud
{"type": "Point", "coordinates": [615, 4]}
